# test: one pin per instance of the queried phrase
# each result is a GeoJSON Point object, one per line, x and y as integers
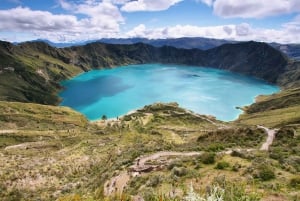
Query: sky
{"type": "Point", "coordinates": [82, 20]}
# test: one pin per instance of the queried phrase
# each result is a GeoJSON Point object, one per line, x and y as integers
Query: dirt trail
{"type": "Point", "coordinates": [8, 131]}
{"type": "Point", "coordinates": [140, 161]}
{"type": "Point", "coordinates": [219, 125]}
{"type": "Point", "coordinates": [116, 184]}
{"type": "Point", "coordinates": [141, 165]}
{"type": "Point", "coordinates": [119, 182]}
{"type": "Point", "coordinates": [271, 135]}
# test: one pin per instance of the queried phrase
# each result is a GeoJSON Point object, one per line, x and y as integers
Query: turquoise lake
{"type": "Point", "coordinates": [115, 92]}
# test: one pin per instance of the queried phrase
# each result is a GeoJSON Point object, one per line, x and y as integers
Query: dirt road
{"type": "Point", "coordinates": [271, 135]}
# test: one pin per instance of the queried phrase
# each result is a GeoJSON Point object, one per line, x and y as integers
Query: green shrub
{"type": "Point", "coordinates": [236, 167]}
{"type": "Point", "coordinates": [154, 181]}
{"type": "Point", "coordinates": [222, 165]}
{"type": "Point", "coordinates": [175, 163]}
{"type": "Point", "coordinates": [135, 184]}
{"type": "Point", "coordinates": [234, 190]}
{"type": "Point", "coordinates": [295, 182]}
{"type": "Point", "coordinates": [207, 158]}
{"type": "Point", "coordinates": [266, 173]}
{"type": "Point", "coordinates": [293, 161]}
{"type": "Point", "coordinates": [179, 171]}
{"type": "Point", "coordinates": [242, 154]}
{"type": "Point", "coordinates": [215, 147]}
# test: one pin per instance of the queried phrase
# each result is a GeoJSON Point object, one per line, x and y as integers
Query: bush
{"type": "Point", "coordinates": [266, 174]}
{"type": "Point", "coordinates": [236, 167]}
{"type": "Point", "coordinates": [293, 161]}
{"type": "Point", "coordinates": [242, 154]}
{"type": "Point", "coordinates": [234, 190]}
{"type": "Point", "coordinates": [222, 165]}
{"type": "Point", "coordinates": [215, 147]}
{"type": "Point", "coordinates": [179, 171]}
{"type": "Point", "coordinates": [154, 181]}
{"type": "Point", "coordinates": [207, 158]}
{"type": "Point", "coordinates": [175, 163]}
{"type": "Point", "coordinates": [295, 182]}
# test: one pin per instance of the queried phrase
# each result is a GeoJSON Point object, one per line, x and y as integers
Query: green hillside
{"type": "Point", "coordinates": [49, 152]}
{"type": "Point", "coordinates": [65, 157]}
{"type": "Point", "coordinates": [31, 71]}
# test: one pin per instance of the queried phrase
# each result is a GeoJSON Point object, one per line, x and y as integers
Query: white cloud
{"type": "Point", "coordinates": [66, 5]}
{"type": "Point", "coordinates": [100, 19]}
{"type": "Point", "coordinates": [207, 2]}
{"type": "Point", "coordinates": [148, 5]}
{"type": "Point", "coordinates": [243, 29]}
{"type": "Point", "coordinates": [240, 32]}
{"type": "Point", "coordinates": [25, 19]}
{"type": "Point", "coordinates": [254, 8]}
{"type": "Point", "coordinates": [100, 13]}
{"type": "Point", "coordinates": [138, 31]}
{"type": "Point", "coordinates": [103, 18]}
{"type": "Point", "coordinates": [180, 31]}
{"type": "Point", "coordinates": [120, 2]}
{"type": "Point", "coordinates": [227, 29]}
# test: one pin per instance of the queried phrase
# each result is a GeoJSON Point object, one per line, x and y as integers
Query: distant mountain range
{"type": "Point", "coordinates": [291, 50]}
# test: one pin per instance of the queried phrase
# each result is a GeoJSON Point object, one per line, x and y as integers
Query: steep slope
{"type": "Point", "coordinates": [291, 76]}
{"type": "Point", "coordinates": [292, 50]}
{"type": "Point", "coordinates": [30, 72]}
{"type": "Point", "coordinates": [252, 58]}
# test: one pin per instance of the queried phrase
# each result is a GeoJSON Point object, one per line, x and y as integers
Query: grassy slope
{"type": "Point", "coordinates": [37, 69]}
{"type": "Point", "coordinates": [61, 154]}
{"type": "Point", "coordinates": [277, 110]}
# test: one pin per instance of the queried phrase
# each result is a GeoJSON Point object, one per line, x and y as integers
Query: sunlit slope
{"type": "Point", "coordinates": [276, 110]}
{"type": "Point", "coordinates": [63, 156]}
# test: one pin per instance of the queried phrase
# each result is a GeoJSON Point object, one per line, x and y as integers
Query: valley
{"type": "Point", "coordinates": [50, 152]}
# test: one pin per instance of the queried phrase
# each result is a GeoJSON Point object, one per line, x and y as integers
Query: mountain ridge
{"type": "Point", "coordinates": [48, 65]}
{"type": "Point", "coordinates": [291, 50]}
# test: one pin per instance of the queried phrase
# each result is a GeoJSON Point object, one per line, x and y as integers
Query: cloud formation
{"type": "Point", "coordinates": [101, 19]}
{"type": "Point", "coordinates": [25, 19]}
{"type": "Point", "coordinates": [148, 5]}
{"type": "Point", "coordinates": [94, 19]}
{"type": "Point", "coordinates": [239, 32]}
{"type": "Point", "coordinates": [207, 2]}
{"type": "Point", "coordinates": [254, 8]}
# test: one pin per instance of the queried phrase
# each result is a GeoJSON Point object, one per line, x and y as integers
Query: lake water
{"type": "Point", "coordinates": [115, 92]}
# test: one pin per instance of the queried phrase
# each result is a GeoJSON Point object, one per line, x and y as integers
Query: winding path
{"type": "Point", "coordinates": [271, 135]}
{"type": "Point", "coordinates": [119, 182]}
{"type": "Point", "coordinates": [140, 161]}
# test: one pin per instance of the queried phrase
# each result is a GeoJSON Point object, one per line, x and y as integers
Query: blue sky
{"type": "Point", "coordinates": [79, 20]}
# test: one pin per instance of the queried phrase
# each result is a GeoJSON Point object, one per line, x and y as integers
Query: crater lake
{"type": "Point", "coordinates": [115, 92]}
